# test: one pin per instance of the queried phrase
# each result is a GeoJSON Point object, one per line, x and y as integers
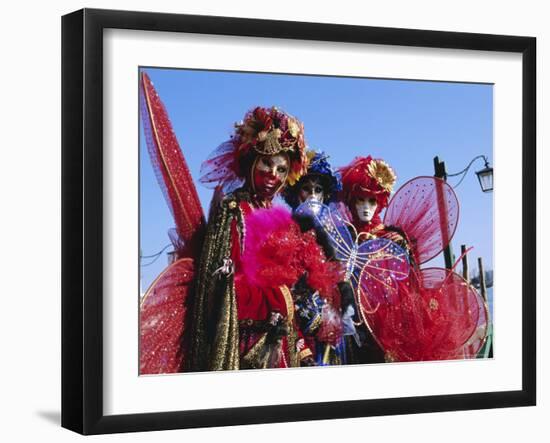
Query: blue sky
{"type": "Point", "coordinates": [404, 122]}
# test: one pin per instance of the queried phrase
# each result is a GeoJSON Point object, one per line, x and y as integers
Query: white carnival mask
{"type": "Point", "coordinates": [365, 208]}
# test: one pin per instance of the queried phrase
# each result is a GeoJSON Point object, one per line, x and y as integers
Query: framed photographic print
{"type": "Point", "coordinates": [269, 221]}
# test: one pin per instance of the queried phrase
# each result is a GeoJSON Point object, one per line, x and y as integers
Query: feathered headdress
{"type": "Point", "coordinates": [318, 166]}
{"type": "Point", "coordinates": [366, 176]}
{"type": "Point", "coordinates": [264, 131]}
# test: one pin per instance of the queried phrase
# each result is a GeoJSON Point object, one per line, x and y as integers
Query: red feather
{"type": "Point", "coordinates": [277, 253]}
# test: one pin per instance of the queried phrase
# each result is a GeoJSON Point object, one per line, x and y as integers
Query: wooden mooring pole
{"type": "Point", "coordinates": [483, 289]}
{"type": "Point", "coordinates": [482, 285]}
{"type": "Point", "coordinates": [440, 172]}
{"type": "Point", "coordinates": [465, 267]}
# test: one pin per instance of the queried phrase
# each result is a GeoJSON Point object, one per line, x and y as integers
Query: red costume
{"type": "Point", "coordinates": [232, 308]}
{"type": "Point", "coordinates": [244, 314]}
{"type": "Point", "coordinates": [434, 314]}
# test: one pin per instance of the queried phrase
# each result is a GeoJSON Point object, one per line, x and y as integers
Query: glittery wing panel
{"type": "Point", "coordinates": [380, 265]}
{"type": "Point", "coordinates": [333, 224]}
{"type": "Point", "coordinates": [169, 164]}
{"type": "Point", "coordinates": [427, 210]}
{"type": "Point", "coordinates": [374, 267]}
{"type": "Point", "coordinates": [163, 320]}
{"type": "Point", "coordinates": [434, 317]}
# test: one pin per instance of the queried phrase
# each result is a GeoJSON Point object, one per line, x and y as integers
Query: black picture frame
{"type": "Point", "coordinates": [82, 218]}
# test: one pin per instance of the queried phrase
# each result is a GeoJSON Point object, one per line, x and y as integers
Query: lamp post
{"type": "Point", "coordinates": [485, 177]}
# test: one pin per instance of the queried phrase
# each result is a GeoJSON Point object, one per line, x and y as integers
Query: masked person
{"type": "Point", "coordinates": [320, 319]}
{"type": "Point", "coordinates": [243, 315]}
{"type": "Point", "coordinates": [367, 184]}
{"type": "Point", "coordinates": [408, 313]}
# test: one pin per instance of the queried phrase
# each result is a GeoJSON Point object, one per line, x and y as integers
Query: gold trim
{"type": "Point", "coordinates": [292, 335]}
{"type": "Point", "coordinates": [326, 354]}
{"type": "Point", "coordinates": [271, 145]}
{"type": "Point", "coordinates": [304, 353]}
{"type": "Point", "coordinates": [315, 323]}
{"type": "Point", "coordinates": [243, 228]}
{"type": "Point", "coordinates": [252, 359]}
{"type": "Point", "coordinates": [251, 174]}
{"type": "Point", "coordinates": [289, 303]}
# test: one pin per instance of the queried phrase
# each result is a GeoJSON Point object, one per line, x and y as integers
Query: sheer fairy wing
{"type": "Point", "coordinates": [332, 224]}
{"type": "Point", "coordinates": [169, 164]}
{"type": "Point", "coordinates": [163, 320]}
{"type": "Point", "coordinates": [434, 317]}
{"type": "Point", "coordinates": [427, 210]}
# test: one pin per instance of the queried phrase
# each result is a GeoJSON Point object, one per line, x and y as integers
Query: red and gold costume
{"type": "Point", "coordinates": [225, 302]}
{"type": "Point", "coordinates": [434, 314]}
{"type": "Point", "coordinates": [252, 255]}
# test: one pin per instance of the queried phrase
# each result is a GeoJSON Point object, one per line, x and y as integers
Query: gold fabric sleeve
{"type": "Point", "coordinates": [215, 327]}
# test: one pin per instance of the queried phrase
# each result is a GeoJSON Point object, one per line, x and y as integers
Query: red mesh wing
{"type": "Point", "coordinates": [163, 322]}
{"type": "Point", "coordinates": [426, 209]}
{"type": "Point", "coordinates": [478, 338]}
{"type": "Point", "coordinates": [169, 163]}
{"type": "Point", "coordinates": [434, 314]}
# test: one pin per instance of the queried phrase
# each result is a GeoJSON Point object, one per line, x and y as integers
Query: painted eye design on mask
{"type": "Point", "coordinates": [371, 201]}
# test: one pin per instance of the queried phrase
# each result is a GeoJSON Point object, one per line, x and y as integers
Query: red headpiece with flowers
{"type": "Point", "coordinates": [368, 177]}
{"type": "Point", "coordinates": [264, 131]}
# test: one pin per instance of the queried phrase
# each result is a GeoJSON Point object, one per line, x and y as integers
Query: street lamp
{"type": "Point", "coordinates": [485, 175]}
